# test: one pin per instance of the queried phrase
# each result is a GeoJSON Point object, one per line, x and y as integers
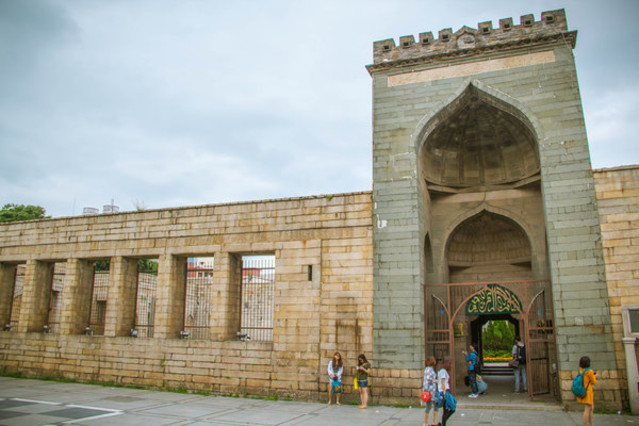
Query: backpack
{"type": "Point", "coordinates": [521, 354]}
{"type": "Point", "coordinates": [450, 402]}
{"type": "Point", "coordinates": [578, 388]}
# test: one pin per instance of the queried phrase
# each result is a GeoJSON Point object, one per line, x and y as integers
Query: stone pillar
{"type": "Point", "coordinates": [7, 283]}
{"type": "Point", "coordinates": [34, 308]}
{"type": "Point", "coordinates": [76, 297]}
{"type": "Point", "coordinates": [633, 374]}
{"type": "Point", "coordinates": [120, 311]}
{"type": "Point", "coordinates": [169, 310]}
{"type": "Point", "coordinates": [226, 292]}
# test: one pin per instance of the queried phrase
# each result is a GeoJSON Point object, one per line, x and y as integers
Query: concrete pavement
{"type": "Point", "coordinates": [36, 402]}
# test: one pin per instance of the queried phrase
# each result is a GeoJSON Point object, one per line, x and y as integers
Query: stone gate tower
{"type": "Point", "coordinates": [482, 174]}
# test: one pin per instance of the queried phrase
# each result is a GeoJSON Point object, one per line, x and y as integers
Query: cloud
{"type": "Point", "coordinates": [172, 103]}
{"type": "Point", "coordinates": [612, 127]}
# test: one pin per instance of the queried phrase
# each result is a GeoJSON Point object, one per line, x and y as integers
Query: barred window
{"type": "Point", "coordinates": [257, 298]}
{"type": "Point", "coordinates": [197, 301]}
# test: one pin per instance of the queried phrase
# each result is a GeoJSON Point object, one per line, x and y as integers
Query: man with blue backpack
{"type": "Point", "coordinates": [519, 364]}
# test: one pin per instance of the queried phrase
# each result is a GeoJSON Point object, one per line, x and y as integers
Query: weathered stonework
{"type": "Point", "coordinates": [617, 192]}
{"type": "Point", "coordinates": [481, 174]}
{"type": "Point", "coordinates": [313, 317]}
{"type": "Point", "coordinates": [485, 124]}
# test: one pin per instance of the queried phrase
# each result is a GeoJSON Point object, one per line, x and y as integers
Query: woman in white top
{"type": "Point", "coordinates": [443, 385]}
{"type": "Point", "coordinates": [430, 385]}
{"type": "Point", "coordinates": [335, 370]}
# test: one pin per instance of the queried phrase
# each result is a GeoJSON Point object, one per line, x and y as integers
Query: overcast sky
{"type": "Point", "coordinates": [166, 103]}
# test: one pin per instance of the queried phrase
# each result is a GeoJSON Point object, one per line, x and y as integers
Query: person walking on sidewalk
{"type": "Point", "coordinates": [471, 359]}
{"type": "Point", "coordinates": [519, 354]}
{"type": "Point", "coordinates": [443, 385]}
{"type": "Point", "coordinates": [589, 380]}
{"type": "Point", "coordinates": [335, 370]}
{"type": "Point", "coordinates": [430, 385]}
{"type": "Point", "coordinates": [363, 371]}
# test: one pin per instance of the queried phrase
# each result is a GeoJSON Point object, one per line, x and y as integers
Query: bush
{"type": "Point", "coordinates": [498, 336]}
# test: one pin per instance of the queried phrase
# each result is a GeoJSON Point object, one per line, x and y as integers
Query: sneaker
{"type": "Point", "coordinates": [473, 395]}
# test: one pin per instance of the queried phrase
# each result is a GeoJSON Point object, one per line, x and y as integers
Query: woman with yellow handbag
{"type": "Point", "coordinates": [363, 370]}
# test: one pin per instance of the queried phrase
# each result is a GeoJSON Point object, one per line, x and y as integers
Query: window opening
{"type": "Point", "coordinates": [99, 292]}
{"type": "Point", "coordinates": [145, 297]}
{"type": "Point", "coordinates": [16, 297]}
{"type": "Point", "coordinates": [197, 304]}
{"type": "Point", "coordinates": [55, 299]}
{"type": "Point", "coordinates": [257, 298]}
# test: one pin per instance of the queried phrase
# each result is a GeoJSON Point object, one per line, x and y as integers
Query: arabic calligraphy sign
{"type": "Point", "coordinates": [495, 299]}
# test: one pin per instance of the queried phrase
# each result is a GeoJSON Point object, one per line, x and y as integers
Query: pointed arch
{"type": "Point", "coordinates": [477, 137]}
{"type": "Point", "coordinates": [488, 244]}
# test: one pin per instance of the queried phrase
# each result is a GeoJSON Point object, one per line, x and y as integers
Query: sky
{"type": "Point", "coordinates": [169, 103]}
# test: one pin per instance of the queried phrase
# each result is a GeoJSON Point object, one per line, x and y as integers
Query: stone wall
{"type": "Point", "coordinates": [618, 203]}
{"type": "Point", "coordinates": [315, 314]}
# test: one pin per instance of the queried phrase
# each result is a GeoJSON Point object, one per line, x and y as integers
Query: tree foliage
{"type": "Point", "coordinates": [499, 335]}
{"type": "Point", "coordinates": [146, 266]}
{"type": "Point", "coordinates": [14, 212]}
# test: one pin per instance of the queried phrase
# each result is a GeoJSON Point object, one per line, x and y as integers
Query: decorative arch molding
{"type": "Point", "coordinates": [514, 218]}
{"type": "Point", "coordinates": [500, 100]}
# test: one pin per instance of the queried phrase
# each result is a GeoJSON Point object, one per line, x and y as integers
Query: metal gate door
{"type": "Point", "coordinates": [529, 300]}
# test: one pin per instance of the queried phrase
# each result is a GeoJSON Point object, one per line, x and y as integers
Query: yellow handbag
{"type": "Point", "coordinates": [355, 387]}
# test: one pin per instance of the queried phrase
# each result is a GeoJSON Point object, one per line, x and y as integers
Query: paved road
{"type": "Point", "coordinates": [35, 402]}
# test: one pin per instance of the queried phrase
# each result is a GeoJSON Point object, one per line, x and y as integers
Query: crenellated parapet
{"type": "Point", "coordinates": [465, 41]}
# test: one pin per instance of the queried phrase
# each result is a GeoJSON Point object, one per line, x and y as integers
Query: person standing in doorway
{"type": "Point", "coordinates": [519, 354]}
{"type": "Point", "coordinates": [471, 359]}
{"type": "Point", "coordinates": [430, 385]}
{"type": "Point", "coordinates": [363, 371]}
{"type": "Point", "coordinates": [589, 378]}
{"type": "Point", "coordinates": [335, 370]}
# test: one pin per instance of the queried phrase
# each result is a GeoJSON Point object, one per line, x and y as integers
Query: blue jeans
{"type": "Point", "coordinates": [520, 371]}
{"type": "Point", "coordinates": [472, 377]}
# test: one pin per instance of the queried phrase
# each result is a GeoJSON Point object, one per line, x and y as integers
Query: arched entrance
{"type": "Point", "coordinates": [451, 309]}
{"type": "Point", "coordinates": [485, 229]}
{"type": "Point", "coordinates": [496, 303]}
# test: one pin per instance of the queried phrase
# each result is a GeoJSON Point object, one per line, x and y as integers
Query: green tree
{"type": "Point", "coordinates": [15, 212]}
{"type": "Point", "coordinates": [146, 266]}
{"type": "Point", "coordinates": [149, 266]}
{"type": "Point", "coordinates": [499, 335]}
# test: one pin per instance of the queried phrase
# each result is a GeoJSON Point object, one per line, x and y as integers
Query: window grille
{"type": "Point", "coordinates": [97, 314]}
{"type": "Point", "coordinates": [55, 299]}
{"type": "Point", "coordinates": [16, 298]}
{"type": "Point", "coordinates": [197, 304]}
{"type": "Point", "coordinates": [145, 297]}
{"type": "Point", "coordinates": [257, 298]}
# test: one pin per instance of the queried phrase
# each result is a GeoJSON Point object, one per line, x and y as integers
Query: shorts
{"type": "Point", "coordinates": [362, 383]}
{"type": "Point", "coordinates": [430, 406]}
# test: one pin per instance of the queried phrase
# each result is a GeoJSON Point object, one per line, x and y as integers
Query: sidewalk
{"type": "Point", "coordinates": [35, 402]}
